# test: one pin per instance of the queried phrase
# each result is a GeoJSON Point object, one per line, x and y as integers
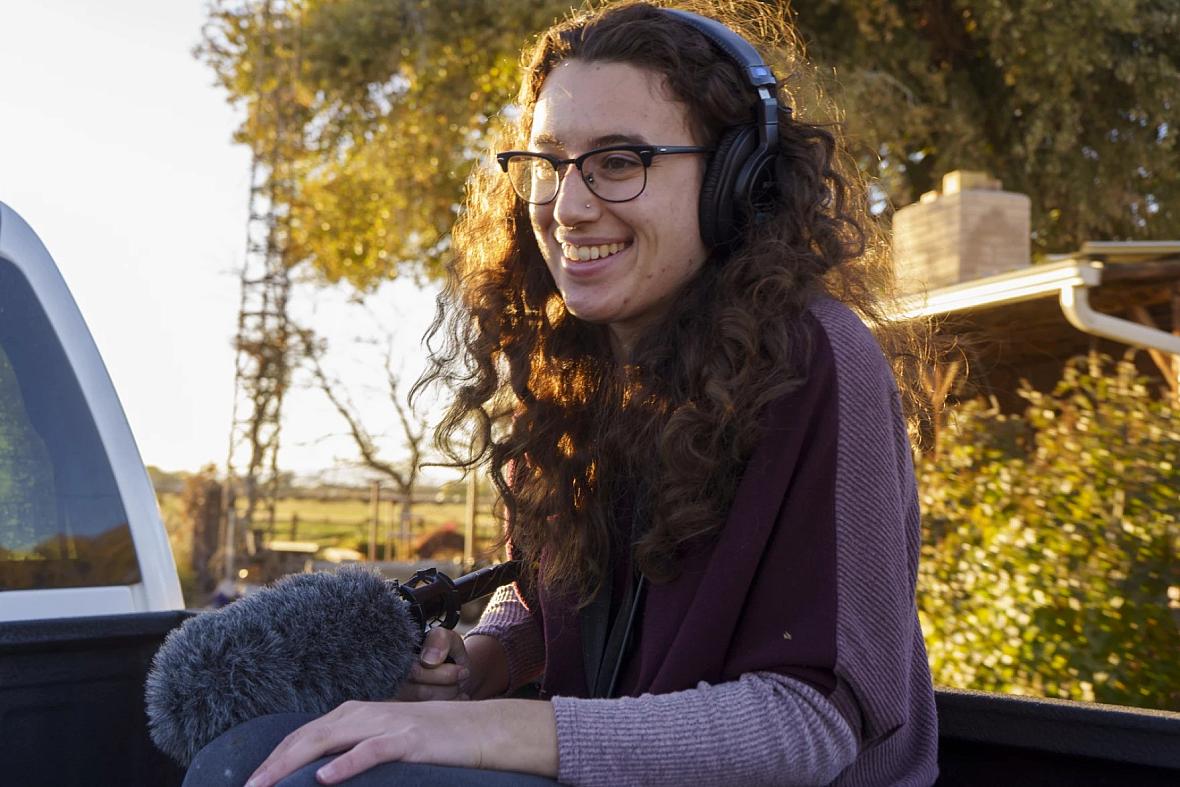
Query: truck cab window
{"type": "Point", "coordinates": [62, 521]}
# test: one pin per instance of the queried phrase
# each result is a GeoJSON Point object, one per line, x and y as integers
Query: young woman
{"type": "Point", "coordinates": [656, 320]}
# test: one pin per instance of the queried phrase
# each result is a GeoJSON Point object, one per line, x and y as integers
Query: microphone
{"type": "Point", "coordinates": [307, 644]}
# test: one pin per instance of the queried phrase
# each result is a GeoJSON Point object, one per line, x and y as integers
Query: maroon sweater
{"type": "Point", "coordinates": [723, 616]}
{"type": "Point", "coordinates": [812, 575]}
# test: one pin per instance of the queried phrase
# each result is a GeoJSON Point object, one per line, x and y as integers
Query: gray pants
{"type": "Point", "coordinates": [230, 759]}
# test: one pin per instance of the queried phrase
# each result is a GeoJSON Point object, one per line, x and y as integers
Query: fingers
{"type": "Point", "coordinates": [444, 682]}
{"type": "Point", "coordinates": [362, 757]}
{"type": "Point", "coordinates": [433, 677]}
{"type": "Point", "coordinates": [367, 733]}
{"type": "Point", "coordinates": [439, 644]}
{"type": "Point", "coordinates": [419, 692]}
{"type": "Point", "coordinates": [442, 675]}
{"type": "Point", "coordinates": [306, 744]}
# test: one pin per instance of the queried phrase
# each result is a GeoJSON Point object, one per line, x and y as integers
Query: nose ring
{"type": "Point", "coordinates": [588, 206]}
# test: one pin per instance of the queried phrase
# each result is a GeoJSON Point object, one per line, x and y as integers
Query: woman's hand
{"type": "Point", "coordinates": [432, 678]}
{"type": "Point", "coordinates": [517, 735]}
{"type": "Point", "coordinates": [479, 669]}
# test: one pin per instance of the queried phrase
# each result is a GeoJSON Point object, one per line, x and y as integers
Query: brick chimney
{"type": "Point", "coordinates": [969, 230]}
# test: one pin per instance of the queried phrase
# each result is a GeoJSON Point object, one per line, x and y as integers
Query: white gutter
{"type": "Point", "coordinates": [1022, 285]}
{"type": "Point", "coordinates": [1075, 302]}
{"type": "Point", "coordinates": [1130, 250]}
{"type": "Point", "coordinates": [1070, 279]}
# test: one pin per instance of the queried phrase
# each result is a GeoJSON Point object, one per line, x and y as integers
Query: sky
{"type": "Point", "coordinates": [116, 147]}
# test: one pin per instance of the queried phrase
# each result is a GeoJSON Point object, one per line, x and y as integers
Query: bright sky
{"type": "Point", "coordinates": [116, 147]}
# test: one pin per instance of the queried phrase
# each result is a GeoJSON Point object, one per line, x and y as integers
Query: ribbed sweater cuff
{"type": "Point", "coordinates": [509, 621]}
{"type": "Point", "coordinates": [762, 729]}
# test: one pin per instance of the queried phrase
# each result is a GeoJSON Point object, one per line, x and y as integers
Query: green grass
{"type": "Point", "coordinates": [337, 523]}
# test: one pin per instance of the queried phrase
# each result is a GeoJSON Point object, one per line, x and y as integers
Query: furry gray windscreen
{"type": "Point", "coordinates": [307, 644]}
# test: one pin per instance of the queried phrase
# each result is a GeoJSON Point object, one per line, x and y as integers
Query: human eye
{"type": "Point", "coordinates": [617, 164]}
{"type": "Point", "coordinates": [533, 177]}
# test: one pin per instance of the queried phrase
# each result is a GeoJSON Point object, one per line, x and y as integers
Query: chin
{"type": "Point", "coordinates": [591, 314]}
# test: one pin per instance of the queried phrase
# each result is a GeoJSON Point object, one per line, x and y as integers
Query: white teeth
{"type": "Point", "coordinates": [584, 253]}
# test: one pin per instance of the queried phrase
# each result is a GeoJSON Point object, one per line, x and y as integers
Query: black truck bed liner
{"type": "Point", "coordinates": [72, 713]}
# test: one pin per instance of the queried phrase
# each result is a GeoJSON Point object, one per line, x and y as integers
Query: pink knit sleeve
{"type": "Point", "coordinates": [508, 620]}
{"type": "Point", "coordinates": [763, 728]}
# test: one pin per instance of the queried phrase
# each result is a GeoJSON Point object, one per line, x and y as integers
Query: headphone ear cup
{"type": "Point", "coordinates": [718, 207]}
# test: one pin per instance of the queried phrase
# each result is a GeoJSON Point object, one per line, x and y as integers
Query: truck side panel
{"type": "Point", "coordinates": [71, 701]}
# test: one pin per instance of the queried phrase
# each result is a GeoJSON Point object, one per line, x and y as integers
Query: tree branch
{"type": "Point", "coordinates": [360, 436]}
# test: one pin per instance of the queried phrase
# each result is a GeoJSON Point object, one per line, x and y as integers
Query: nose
{"type": "Point", "coordinates": [575, 203]}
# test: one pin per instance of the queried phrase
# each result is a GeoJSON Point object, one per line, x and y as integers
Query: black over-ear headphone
{"type": "Point", "coordinates": [740, 176]}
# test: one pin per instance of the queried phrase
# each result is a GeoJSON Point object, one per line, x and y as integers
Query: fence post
{"type": "Point", "coordinates": [375, 499]}
{"type": "Point", "coordinates": [389, 548]}
{"type": "Point", "coordinates": [469, 520]}
{"type": "Point", "coordinates": [405, 523]}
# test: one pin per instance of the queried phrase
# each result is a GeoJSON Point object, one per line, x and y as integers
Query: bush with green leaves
{"type": "Point", "coordinates": [1050, 548]}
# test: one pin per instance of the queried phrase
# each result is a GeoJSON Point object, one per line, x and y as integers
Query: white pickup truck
{"type": "Point", "coordinates": [80, 532]}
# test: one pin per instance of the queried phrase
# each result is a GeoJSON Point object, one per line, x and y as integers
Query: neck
{"type": "Point", "coordinates": [621, 344]}
{"type": "Point", "coordinates": [625, 335]}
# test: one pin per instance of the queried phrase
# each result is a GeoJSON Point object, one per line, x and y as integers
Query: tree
{"type": "Point", "coordinates": [404, 475]}
{"type": "Point", "coordinates": [1074, 104]}
{"type": "Point", "coordinates": [394, 98]}
{"type": "Point", "coordinates": [201, 501]}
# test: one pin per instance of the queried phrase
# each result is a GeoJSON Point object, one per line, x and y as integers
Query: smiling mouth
{"type": "Point", "coordinates": [586, 253]}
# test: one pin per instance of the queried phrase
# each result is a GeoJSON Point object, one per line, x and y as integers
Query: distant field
{"type": "Point", "coordinates": [341, 523]}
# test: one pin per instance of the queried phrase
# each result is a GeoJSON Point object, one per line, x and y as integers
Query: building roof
{"type": "Point", "coordinates": [1121, 273]}
{"type": "Point", "coordinates": [1025, 323]}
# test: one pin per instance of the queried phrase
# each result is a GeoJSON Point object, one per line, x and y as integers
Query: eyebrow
{"type": "Point", "coordinates": [550, 140]}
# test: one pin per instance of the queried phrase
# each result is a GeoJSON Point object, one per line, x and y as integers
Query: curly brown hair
{"type": "Point", "coordinates": [576, 436]}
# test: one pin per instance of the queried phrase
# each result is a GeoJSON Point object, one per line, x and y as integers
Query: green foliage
{"type": "Point", "coordinates": [1052, 544]}
{"type": "Point", "coordinates": [380, 106]}
{"type": "Point", "coordinates": [28, 506]}
{"type": "Point", "coordinates": [381, 109]}
{"type": "Point", "coordinates": [1074, 103]}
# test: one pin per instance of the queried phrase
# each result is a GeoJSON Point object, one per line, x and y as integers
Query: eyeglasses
{"type": "Point", "coordinates": [614, 174]}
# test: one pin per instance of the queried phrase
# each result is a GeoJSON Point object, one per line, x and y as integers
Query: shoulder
{"type": "Point", "coordinates": [865, 384]}
{"type": "Point", "coordinates": [845, 373]}
{"type": "Point", "coordinates": [852, 345]}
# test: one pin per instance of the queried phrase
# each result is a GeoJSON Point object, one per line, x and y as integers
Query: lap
{"type": "Point", "coordinates": [230, 759]}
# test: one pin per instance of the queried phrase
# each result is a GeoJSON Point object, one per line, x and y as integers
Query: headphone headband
{"type": "Point", "coordinates": [740, 181]}
{"type": "Point", "coordinates": [746, 58]}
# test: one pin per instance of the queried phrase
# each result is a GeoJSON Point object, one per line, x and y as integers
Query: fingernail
{"type": "Point", "coordinates": [431, 655]}
{"type": "Point", "coordinates": [255, 781]}
{"type": "Point", "coordinates": [324, 773]}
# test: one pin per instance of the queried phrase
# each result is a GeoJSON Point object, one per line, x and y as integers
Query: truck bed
{"type": "Point", "coordinates": [72, 713]}
{"type": "Point", "coordinates": [71, 701]}
{"type": "Point", "coordinates": [999, 739]}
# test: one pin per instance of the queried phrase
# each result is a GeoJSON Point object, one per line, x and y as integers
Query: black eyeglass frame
{"type": "Point", "coordinates": [645, 152]}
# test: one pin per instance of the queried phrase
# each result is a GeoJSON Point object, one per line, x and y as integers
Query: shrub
{"type": "Point", "coordinates": [1050, 543]}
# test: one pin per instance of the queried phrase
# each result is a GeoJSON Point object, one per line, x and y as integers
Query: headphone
{"type": "Point", "coordinates": [740, 175]}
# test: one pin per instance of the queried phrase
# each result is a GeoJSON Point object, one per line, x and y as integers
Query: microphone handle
{"type": "Point", "coordinates": [435, 598]}
{"type": "Point", "coordinates": [486, 581]}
